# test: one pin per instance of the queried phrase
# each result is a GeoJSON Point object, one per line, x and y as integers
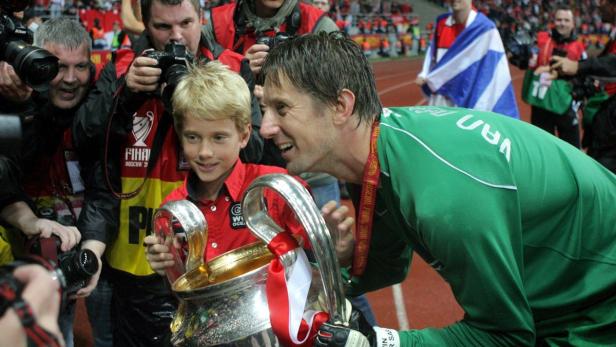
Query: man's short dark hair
{"type": "Point", "coordinates": [323, 65]}
{"type": "Point", "coordinates": [146, 7]}
{"type": "Point", "coordinates": [563, 7]}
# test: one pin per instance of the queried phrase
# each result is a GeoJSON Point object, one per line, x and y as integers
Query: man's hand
{"type": "Point", "coordinates": [256, 57]}
{"type": "Point", "coordinates": [12, 87]}
{"type": "Point", "coordinates": [331, 335]}
{"type": "Point", "coordinates": [358, 333]}
{"type": "Point", "coordinates": [98, 248]}
{"type": "Point", "coordinates": [69, 236]}
{"type": "Point", "coordinates": [420, 81]}
{"type": "Point", "coordinates": [342, 228]}
{"type": "Point", "coordinates": [143, 75]}
{"type": "Point", "coordinates": [564, 66]}
{"type": "Point", "coordinates": [19, 215]}
{"type": "Point", "coordinates": [41, 292]}
{"type": "Point", "coordinates": [158, 254]}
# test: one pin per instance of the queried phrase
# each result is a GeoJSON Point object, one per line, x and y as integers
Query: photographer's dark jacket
{"type": "Point", "coordinates": [44, 172]}
{"type": "Point", "coordinates": [602, 66]}
{"type": "Point", "coordinates": [125, 149]}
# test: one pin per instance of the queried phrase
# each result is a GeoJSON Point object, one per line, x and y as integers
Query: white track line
{"type": "Point", "coordinates": [394, 87]}
{"type": "Point", "coordinates": [384, 77]}
{"type": "Point", "coordinates": [403, 322]}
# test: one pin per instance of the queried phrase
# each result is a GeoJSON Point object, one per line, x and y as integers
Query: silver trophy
{"type": "Point", "coordinates": [223, 302]}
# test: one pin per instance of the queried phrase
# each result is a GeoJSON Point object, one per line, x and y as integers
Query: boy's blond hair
{"type": "Point", "coordinates": [212, 92]}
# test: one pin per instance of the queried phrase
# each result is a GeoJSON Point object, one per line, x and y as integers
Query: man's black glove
{"type": "Point", "coordinates": [359, 333]}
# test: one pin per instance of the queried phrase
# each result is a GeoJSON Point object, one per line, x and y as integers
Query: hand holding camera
{"type": "Point", "coordinates": [11, 86]}
{"type": "Point", "coordinates": [256, 53]}
{"type": "Point", "coordinates": [75, 267]}
{"type": "Point", "coordinates": [256, 56]}
{"type": "Point", "coordinates": [143, 75]}
{"type": "Point", "coordinates": [35, 66]}
{"type": "Point", "coordinates": [162, 69]}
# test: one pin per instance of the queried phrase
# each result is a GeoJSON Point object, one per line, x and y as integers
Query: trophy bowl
{"type": "Point", "coordinates": [224, 302]}
{"type": "Point", "coordinates": [229, 306]}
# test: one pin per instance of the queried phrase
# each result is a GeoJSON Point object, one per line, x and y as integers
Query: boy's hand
{"type": "Point", "coordinates": [341, 227]}
{"type": "Point", "coordinates": [158, 254]}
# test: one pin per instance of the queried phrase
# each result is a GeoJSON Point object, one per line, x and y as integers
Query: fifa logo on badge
{"type": "Point", "coordinates": [236, 217]}
{"type": "Point", "coordinates": [142, 125]}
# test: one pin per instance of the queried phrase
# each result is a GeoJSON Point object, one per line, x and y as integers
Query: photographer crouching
{"type": "Point", "coordinates": [45, 84]}
{"type": "Point", "coordinates": [600, 130]}
{"type": "Point", "coordinates": [554, 105]}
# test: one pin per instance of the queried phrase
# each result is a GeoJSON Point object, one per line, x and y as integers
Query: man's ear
{"type": "Point", "coordinates": [344, 107]}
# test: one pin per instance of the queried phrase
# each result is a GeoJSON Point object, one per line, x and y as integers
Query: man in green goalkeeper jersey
{"type": "Point", "coordinates": [521, 224]}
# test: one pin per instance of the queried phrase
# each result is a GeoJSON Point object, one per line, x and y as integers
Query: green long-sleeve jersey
{"type": "Point", "coordinates": [520, 224]}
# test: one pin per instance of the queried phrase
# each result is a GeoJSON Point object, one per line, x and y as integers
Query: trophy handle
{"type": "Point", "coordinates": [300, 200]}
{"type": "Point", "coordinates": [170, 222]}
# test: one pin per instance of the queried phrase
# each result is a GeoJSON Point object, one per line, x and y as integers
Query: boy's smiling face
{"type": "Point", "coordinates": [212, 147]}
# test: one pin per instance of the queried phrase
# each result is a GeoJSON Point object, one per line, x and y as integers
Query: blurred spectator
{"type": "Point", "coordinates": [56, 7]}
{"type": "Point", "coordinates": [98, 35]}
{"type": "Point", "coordinates": [119, 39]}
{"type": "Point", "coordinates": [31, 20]}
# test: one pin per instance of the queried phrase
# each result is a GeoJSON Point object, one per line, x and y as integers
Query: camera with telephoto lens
{"type": "Point", "coordinates": [273, 41]}
{"type": "Point", "coordinates": [76, 266]}
{"type": "Point", "coordinates": [173, 62]}
{"type": "Point", "coordinates": [583, 87]}
{"type": "Point", "coordinates": [34, 65]}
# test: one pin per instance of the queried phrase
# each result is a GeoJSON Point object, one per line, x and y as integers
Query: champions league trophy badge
{"type": "Point", "coordinates": [142, 127]}
{"type": "Point", "coordinates": [264, 294]}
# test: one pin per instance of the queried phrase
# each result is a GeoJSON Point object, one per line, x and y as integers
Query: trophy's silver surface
{"type": "Point", "coordinates": [224, 302]}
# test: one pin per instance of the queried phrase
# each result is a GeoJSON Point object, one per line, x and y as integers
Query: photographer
{"type": "Point", "coordinates": [600, 131]}
{"type": "Point", "coordinates": [553, 108]}
{"type": "Point", "coordinates": [38, 300]}
{"type": "Point", "coordinates": [127, 118]}
{"type": "Point", "coordinates": [252, 27]}
{"type": "Point", "coordinates": [45, 177]}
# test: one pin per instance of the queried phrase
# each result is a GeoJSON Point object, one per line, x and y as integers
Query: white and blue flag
{"type": "Point", "coordinates": [474, 72]}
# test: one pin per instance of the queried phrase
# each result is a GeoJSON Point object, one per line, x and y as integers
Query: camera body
{"type": "Point", "coordinates": [583, 87]}
{"type": "Point", "coordinates": [75, 266]}
{"type": "Point", "coordinates": [35, 66]}
{"type": "Point", "coordinates": [173, 61]}
{"type": "Point", "coordinates": [273, 41]}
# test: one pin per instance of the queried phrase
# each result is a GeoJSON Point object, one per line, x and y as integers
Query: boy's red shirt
{"type": "Point", "coordinates": [226, 227]}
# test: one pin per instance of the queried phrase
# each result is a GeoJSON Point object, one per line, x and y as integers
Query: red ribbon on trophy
{"type": "Point", "coordinates": [287, 298]}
